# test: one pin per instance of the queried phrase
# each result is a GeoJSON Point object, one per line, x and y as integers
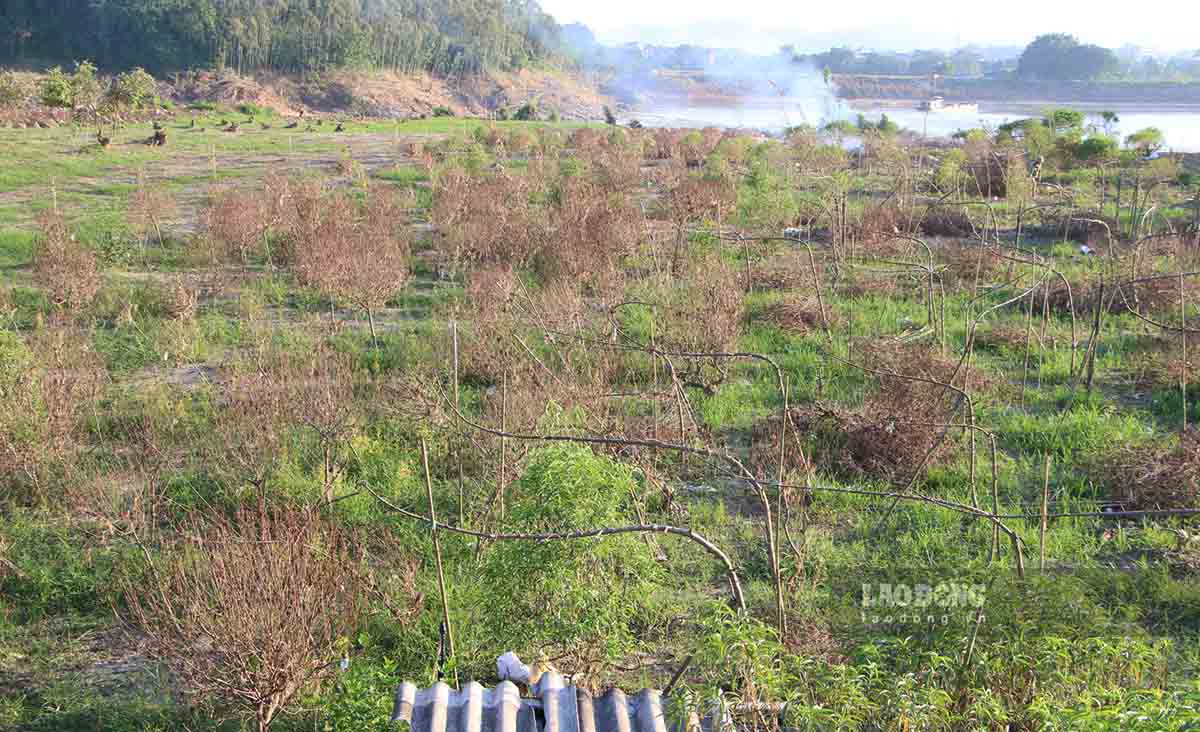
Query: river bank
{"type": "Point", "coordinates": [1078, 94]}
{"type": "Point", "coordinates": [1179, 124]}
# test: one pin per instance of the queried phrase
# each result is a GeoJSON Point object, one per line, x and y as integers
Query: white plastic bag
{"type": "Point", "coordinates": [510, 668]}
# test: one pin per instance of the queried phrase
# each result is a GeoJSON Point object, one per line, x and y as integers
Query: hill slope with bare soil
{"type": "Point", "coordinates": [391, 94]}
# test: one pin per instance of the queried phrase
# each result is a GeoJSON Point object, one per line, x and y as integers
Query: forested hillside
{"type": "Point", "coordinates": [440, 36]}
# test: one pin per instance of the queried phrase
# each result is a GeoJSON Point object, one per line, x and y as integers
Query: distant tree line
{"type": "Point", "coordinates": [842, 60]}
{"type": "Point", "coordinates": [1061, 57]}
{"type": "Point", "coordinates": [1050, 57]}
{"type": "Point", "coordinates": [441, 36]}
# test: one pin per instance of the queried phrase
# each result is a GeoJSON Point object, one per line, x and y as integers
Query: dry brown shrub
{"type": "Point", "coordinates": [879, 226]}
{"type": "Point", "coordinates": [898, 424]}
{"type": "Point", "coordinates": [990, 168]}
{"type": "Point", "coordinates": [250, 611]}
{"type": "Point", "coordinates": [148, 209]}
{"type": "Point", "coordinates": [488, 350]}
{"type": "Point", "coordinates": [347, 165]}
{"type": "Point", "coordinates": [251, 417]}
{"type": "Point", "coordinates": [260, 402]}
{"type": "Point", "coordinates": [482, 219]}
{"type": "Point", "coordinates": [1158, 295]}
{"type": "Point", "coordinates": [617, 169]}
{"type": "Point", "coordinates": [1159, 363]}
{"type": "Point", "coordinates": [508, 320]}
{"type": "Point", "coordinates": [965, 263]}
{"type": "Point", "coordinates": [358, 257]}
{"type": "Point", "coordinates": [586, 140]}
{"type": "Point", "coordinates": [327, 400]}
{"type": "Point", "coordinates": [665, 143]}
{"type": "Point", "coordinates": [183, 300]}
{"type": "Point", "coordinates": [921, 361]}
{"type": "Point", "coordinates": [1154, 477]}
{"type": "Point", "coordinates": [63, 267]}
{"type": "Point", "coordinates": [694, 197]}
{"type": "Point", "coordinates": [578, 231]}
{"type": "Point", "coordinates": [494, 138]}
{"type": "Point", "coordinates": [551, 141]}
{"type": "Point", "coordinates": [72, 378]}
{"type": "Point", "coordinates": [521, 141]}
{"type": "Point", "coordinates": [46, 397]}
{"type": "Point", "coordinates": [235, 222]}
{"type": "Point", "coordinates": [704, 313]}
{"type": "Point", "coordinates": [582, 237]}
{"type": "Point", "coordinates": [558, 307]}
{"type": "Point", "coordinates": [491, 290]}
{"type": "Point", "coordinates": [798, 316]}
{"type": "Point", "coordinates": [781, 273]}
{"type": "Point", "coordinates": [1004, 335]}
{"type": "Point", "coordinates": [242, 222]}
{"type": "Point", "coordinates": [765, 448]}
{"type": "Point", "coordinates": [695, 146]}
{"type": "Point", "coordinates": [946, 221]}
{"type": "Point", "coordinates": [873, 283]}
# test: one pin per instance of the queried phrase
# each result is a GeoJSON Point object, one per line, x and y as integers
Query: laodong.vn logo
{"type": "Point", "coordinates": [886, 603]}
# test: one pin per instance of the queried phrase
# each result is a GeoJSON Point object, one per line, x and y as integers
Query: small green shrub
{"type": "Point", "coordinates": [53, 570]}
{"type": "Point", "coordinates": [575, 594]}
{"type": "Point", "coordinates": [527, 112]}
{"type": "Point", "coordinates": [254, 110]}
{"type": "Point", "coordinates": [134, 89]}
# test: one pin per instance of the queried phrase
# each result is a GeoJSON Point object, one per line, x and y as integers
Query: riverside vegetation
{"type": "Point", "coordinates": [242, 373]}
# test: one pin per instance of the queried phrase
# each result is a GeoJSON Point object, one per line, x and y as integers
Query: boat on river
{"type": "Point", "coordinates": [938, 104]}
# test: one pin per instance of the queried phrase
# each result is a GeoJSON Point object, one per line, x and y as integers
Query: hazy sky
{"type": "Point", "coordinates": [760, 24]}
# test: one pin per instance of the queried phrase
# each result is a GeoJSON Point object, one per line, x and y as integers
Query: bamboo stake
{"type": "Point", "coordinates": [1183, 344]}
{"type": "Point", "coordinates": [1028, 339]}
{"type": "Point", "coordinates": [503, 440]}
{"type": "Point", "coordinates": [461, 499]}
{"type": "Point", "coordinates": [1044, 513]}
{"type": "Point", "coordinates": [437, 549]}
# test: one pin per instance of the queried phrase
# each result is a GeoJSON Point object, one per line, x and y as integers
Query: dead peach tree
{"type": "Point", "coordinates": [358, 256]}
{"type": "Point", "coordinates": [324, 402]}
{"type": "Point", "coordinates": [251, 610]}
{"type": "Point", "coordinates": [690, 200]}
{"type": "Point", "coordinates": [243, 222]}
{"type": "Point", "coordinates": [149, 207]}
{"type": "Point", "coordinates": [251, 419]}
{"type": "Point", "coordinates": [46, 387]}
{"type": "Point", "coordinates": [233, 222]}
{"type": "Point", "coordinates": [65, 269]}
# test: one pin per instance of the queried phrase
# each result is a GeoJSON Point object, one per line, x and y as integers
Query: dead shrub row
{"type": "Point", "coordinates": [1154, 477]}
{"type": "Point", "coordinates": [798, 316]}
{"type": "Point", "coordinates": [885, 439]}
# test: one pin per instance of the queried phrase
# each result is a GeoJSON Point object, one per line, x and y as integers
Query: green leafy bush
{"type": "Point", "coordinates": [53, 571]}
{"type": "Point", "coordinates": [575, 593]}
{"type": "Point", "coordinates": [527, 112]}
{"type": "Point", "coordinates": [79, 89]}
{"type": "Point", "coordinates": [133, 89]}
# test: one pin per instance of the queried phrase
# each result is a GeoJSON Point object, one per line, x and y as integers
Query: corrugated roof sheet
{"type": "Point", "coordinates": [555, 707]}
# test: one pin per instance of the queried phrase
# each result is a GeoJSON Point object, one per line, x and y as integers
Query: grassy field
{"type": "Point", "coordinates": [905, 433]}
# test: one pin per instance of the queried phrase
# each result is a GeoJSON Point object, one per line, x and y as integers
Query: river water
{"type": "Point", "coordinates": [1181, 127]}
